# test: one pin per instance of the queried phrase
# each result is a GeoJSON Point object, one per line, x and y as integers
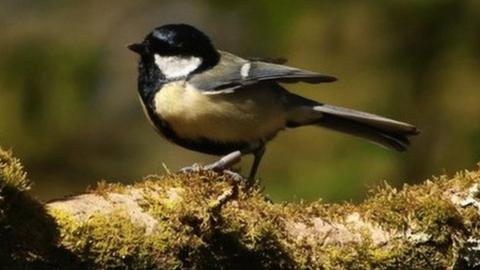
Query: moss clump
{"type": "Point", "coordinates": [12, 174]}
{"type": "Point", "coordinates": [113, 241]}
{"type": "Point", "coordinates": [423, 209]}
{"type": "Point", "coordinates": [28, 235]}
{"type": "Point", "coordinates": [206, 220]}
{"type": "Point", "coordinates": [188, 231]}
{"type": "Point", "coordinates": [195, 228]}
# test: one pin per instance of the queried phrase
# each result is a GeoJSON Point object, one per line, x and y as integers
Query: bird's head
{"type": "Point", "coordinates": [177, 50]}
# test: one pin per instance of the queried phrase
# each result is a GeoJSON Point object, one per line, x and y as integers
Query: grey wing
{"type": "Point", "coordinates": [273, 60]}
{"type": "Point", "coordinates": [233, 72]}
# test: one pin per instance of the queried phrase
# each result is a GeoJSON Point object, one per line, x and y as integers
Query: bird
{"type": "Point", "coordinates": [215, 102]}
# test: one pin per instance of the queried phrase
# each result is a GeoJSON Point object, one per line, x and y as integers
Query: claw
{"type": "Point", "coordinates": [189, 169]}
{"type": "Point", "coordinates": [238, 178]}
{"type": "Point", "coordinates": [222, 166]}
{"type": "Point", "coordinates": [197, 168]}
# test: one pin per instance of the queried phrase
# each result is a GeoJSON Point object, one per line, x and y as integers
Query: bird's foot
{"type": "Point", "coordinates": [197, 168]}
{"type": "Point", "coordinates": [226, 162]}
{"type": "Point", "coordinates": [223, 165]}
{"type": "Point", "coordinates": [237, 178]}
{"type": "Point", "coordinates": [189, 169]}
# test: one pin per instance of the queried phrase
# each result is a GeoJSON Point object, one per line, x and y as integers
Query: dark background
{"type": "Point", "coordinates": [69, 108]}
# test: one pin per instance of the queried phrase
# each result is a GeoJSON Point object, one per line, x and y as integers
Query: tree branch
{"type": "Point", "coordinates": [206, 220]}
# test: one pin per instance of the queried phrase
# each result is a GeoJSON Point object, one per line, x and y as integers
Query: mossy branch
{"type": "Point", "coordinates": [206, 220]}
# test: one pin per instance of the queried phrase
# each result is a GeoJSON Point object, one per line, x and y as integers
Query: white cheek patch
{"type": "Point", "coordinates": [175, 67]}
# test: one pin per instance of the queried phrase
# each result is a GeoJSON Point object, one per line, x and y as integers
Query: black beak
{"type": "Point", "coordinates": [137, 47]}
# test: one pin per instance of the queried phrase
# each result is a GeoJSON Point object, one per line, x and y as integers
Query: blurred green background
{"type": "Point", "coordinates": [69, 108]}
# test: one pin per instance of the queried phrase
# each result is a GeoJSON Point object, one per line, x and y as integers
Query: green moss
{"type": "Point", "coordinates": [113, 241]}
{"type": "Point", "coordinates": [28, 235]}
{"type": "Point", "coordinates": [12, 173]}
{"type": "Point", "coordinates": [102, 188]}
{"type": "Point", "coordinates": [206, 220]}
{"type": "Point", "coordinates": [437, 218]}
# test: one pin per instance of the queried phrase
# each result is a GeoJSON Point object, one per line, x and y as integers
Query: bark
{"type": "Point", "coordinates": [205, 220]}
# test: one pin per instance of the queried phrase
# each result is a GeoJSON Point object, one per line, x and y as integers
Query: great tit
{"type": "Point", "coordinates": [215, 102]}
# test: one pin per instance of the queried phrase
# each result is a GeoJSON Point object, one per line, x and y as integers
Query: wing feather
{"type": "Point", "coordinates": [233, 72]}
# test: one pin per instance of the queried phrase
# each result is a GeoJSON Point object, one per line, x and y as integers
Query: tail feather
{"type": "Point", "coordinates": [387, 132]}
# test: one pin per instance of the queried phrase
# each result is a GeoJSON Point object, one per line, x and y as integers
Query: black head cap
{"type": "Point", "coordinates": [178, 39]}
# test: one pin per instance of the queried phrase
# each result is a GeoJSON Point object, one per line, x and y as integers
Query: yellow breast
{"type": "Point", "coordinates": [244, 115]}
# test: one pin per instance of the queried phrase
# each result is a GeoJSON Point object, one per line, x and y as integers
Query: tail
{"type": "Point", "coordinates": [387, 132]}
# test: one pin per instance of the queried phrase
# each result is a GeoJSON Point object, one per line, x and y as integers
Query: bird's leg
{"type": "Point", "coordinates": [257, 154]}
{"type": "Point", "coordinates": [221, 165]}
{"type": "Point", "coordinates": [194, 168]}
{"type": "Point", "coordinates": [225, 162]}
